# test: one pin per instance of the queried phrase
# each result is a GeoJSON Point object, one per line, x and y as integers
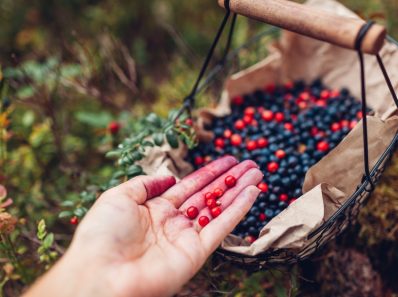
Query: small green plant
{"type": "Point", "coordinates": [45, 251]}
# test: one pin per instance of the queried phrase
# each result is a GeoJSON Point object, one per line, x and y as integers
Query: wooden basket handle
{"type": "Point", "coordinates": [312, 22]}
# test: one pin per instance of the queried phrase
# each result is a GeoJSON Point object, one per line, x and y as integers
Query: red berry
{"type": "Point", "coordinates": [114, 127]}
{"type": "Point", "coordinates": [263, 187]}
{"type": "Point", "coordinates": [238, 100]}
{"type": "Point", "coordinates": [262, 217]}
{"type": "Point", "coordinates": [353, 123]}
{"type": "Point", "coordinates": [239, 125]}
{"type": "Point", "coordinates": [325, 94]}
{"type": "Point", "coordinates": [359, 115]}
{"type": "Point", "coordinates": [344, 123]}
{"type": "Point", "coordinates": [227, 133]}
{"type": "Point", "coordinates": [321, 103]}
{"type": "Point", "coordinates": [288, 126]}
{"type": "Point", "coordinates": [74, 220]}
{"type": "Point", "coordinates": [219, 142]}
{"type": "Point", "coordinates": [192, 212]}
{"type": "Point", "coordinates": [305, 96]}
{"type": "Point", "coordinates": [288, 85]}
{"type": "Point", "coordinates": [215, 211]}
{"type": "Point", "coordinates": [302, 105]}
{"type": "Point", "coordinates": [267, 115]}
{"type": "Point", "coordinates": [279, 117]}
{"type": "Point", "coordinates": [189, 122]}
{"type": "Point", "coordinates": [314, 131]}
{"type": "Point", "coordinates": [251, 145]}
{"type": "Point", "coordinates": [218, 192]}
{"type": "Point", "coordinates": [292, 200]}
{"type": "Point", "coordinates": [230, 181]}
{"type": "Point", "coordinates": [262, 142]}
{"type": "Point", "coordinates": [280, 154]}
{"type": "Point", "coordinates": [247, 119]}
{"type": "Point", "coordinates": [203, 221]}
{"type": "Point", "coordinates": [250, 111]}
{"type": "Point", "coordinates": [250, 239]}
{"type": "Point", "coordinates": [270, 88]}
{"type": "Point", "coordinates": [254, 123]}
{"type": "Point", "coordinates": [272, 167]}
{"type": "Point", "coordinates": [211, 203]}
{"type": "Point", "coordinates": [210, 195]}
{"type": "Point", "coordinates": [283, 197]}
{"type": "Point", "coordinates": [236, 140]}
{"type": "Point", "coordinates": [334, 93]}
{"type": "Point", "coordinates": [335, 127]}
{"type": "Point", "coordinates": [322, 146]}
{"type": "Point", "coordinates": [198, 160]}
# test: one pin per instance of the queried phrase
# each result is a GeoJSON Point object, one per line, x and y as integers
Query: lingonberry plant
{"type": "Point", "coordinates": [285, 129]}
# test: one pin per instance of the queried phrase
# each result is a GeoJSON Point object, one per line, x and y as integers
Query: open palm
{"type": "Point", "coordinates": [140, 239]}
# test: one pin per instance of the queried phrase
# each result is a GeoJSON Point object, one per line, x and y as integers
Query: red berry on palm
{"type": "Point", "coordinates": [236, 140]}
{"type": "Point", "coordinates": [288, 126]}
{"type": "Point", "coordinates": [114, 127]}
{"type": "Point", "coordinates": [192, 212]}
{"type": "Point", "coordinates": [335, 127]}
{"type": "Point", "coordinates": [209, 195]}
{"type": "Point", "coordinates": [230, 181]}
{"type": "Point", "coordinates": [359, 115]}
{"type": "Point", "coordinates": [250, 239]}
{"type": "Point", "coordinates": [211, 203]}
{"type": "Point", "coordinates": [218, 192]}
{"type": "Point", "coordinates": [353, 123]}
{"type": "Point", "coordinates": [203, 221]}
{"type": "Point", "coordinates": [344, 123]}
{"type": "Point", "coordinates": [247, 119]}
{"type": "Point", "coordinates": [272, 167]}
{"type": "Point", "coordinates": [325, 94]}
{"type": "Point", "coordinates": [262, 217]}
{"type": "Point", "coordinates": [215, 211]}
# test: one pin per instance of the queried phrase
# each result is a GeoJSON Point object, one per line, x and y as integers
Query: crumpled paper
{"type": "Point", "coordinates": [330, 182]}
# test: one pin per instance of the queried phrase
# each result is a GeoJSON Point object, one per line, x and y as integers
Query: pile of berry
{"type": "Point", "coordinates": [285, 129]}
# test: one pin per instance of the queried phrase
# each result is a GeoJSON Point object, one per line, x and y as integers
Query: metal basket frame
{"type": "Point", "coordinates": [348, 212]}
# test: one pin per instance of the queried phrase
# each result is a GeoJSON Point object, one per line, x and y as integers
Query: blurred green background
{"type": "Point", "coordinates": [70, 67]}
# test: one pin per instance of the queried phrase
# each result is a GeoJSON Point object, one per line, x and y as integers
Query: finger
{"type": "Point", "coordinates": [198, 179]}
{"type": "Point", "coordinates": [249, 178]}
{"type": "Point", "coordinates": [142, 188]}
{"type": "Point", "coordinates": [237, 171]}
{"type": "Point", "coordinates": [212, 235]}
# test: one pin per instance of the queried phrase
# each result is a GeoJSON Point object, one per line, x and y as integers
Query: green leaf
{"type": "Point", "coordinates": [25, 92]}
{"type": "Point", "coordinates": [113, 154]}
{"type": "Point", "coordinates": [154, 120]}
{"type": "Point", "coordinates": [67, 203]}
{"type": "Point", "coordinates": [48, 241]}
{"type": "Point", "coordinates": [118, 174]}
{"type": "Point", "coordinates": [94, 119]}
{"type": "Point", "coordinates": [41, 229]}
{"type": "Point", "coordinates": [134, 170]}
{"type": "Point", "coordinates": [158, 138]}
{"type": "Point", "coordinates": [147, 143]}
{"type": "Point", "coordinates": [136, 156]}
{"type": "Point", "coordinates": [65, 214]}
{"type": "Point", "coordinates": [172, 138]}
{"type": "Point", "coordinates": [79, 212]}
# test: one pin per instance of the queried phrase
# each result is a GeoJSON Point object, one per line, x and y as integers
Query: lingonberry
{"type": "Point", "coordinates": [238, 100]}
{"type": "Point", "coordinates": [218, 192]}
{"type": "Point", "coordinates": [263, 187]}
{"type": "Point", "coordinates": [236, 140]}
{"type": "Point", "coordinates": [280, 154]}
{"type": "Point", "coordinates": [288, 126]}
{"type": "Point", "coordinates": [251, 145]}
{"type": "Point", "coordinates": [114, 127]}
{"type": "Point", "coordinates": [322, 146]}
{"type": "Point", "coordinates": [219, 142]}
{"type": "Point", "coordinates": [335, 127]}
{"type": "Point", "coordinates": [272, 167]}
{"type": "Point", "coordinates": [353, 123]}
{"type": "Point", "coordinates": [262, 217]}
{"type": "Point", "coordinates": [203, 221]}
{"type": "Point", "coordinates": [230, 181]}
{"type": "Point", "coordinates": [211, 203]}
{"type": "Point", "coordinates": [267, 115]}
{"type": "Point", "coordinates": [215, 211]}
{"type": "Point", "coordinates": [279, 117]}
{"type": "Point", "coordinates": [192, 212]}
{"type": "Point", "coordinates": [189, 122]}
{"type": "Point", "coordinates": [74, 220]}
{"type": "Point", "coordinates": [210, 195]}
{"type": "Point", "coordinates": [239, 125]}
{"type": "Point", "coordinates": [283, 197]}
{"type": "Point", "coordinates": [250, 238]}
{"type": "Point", "coordinates": [262, 142]}
{"type": "Point", "coordinates": [247, 119]}
{"type": "Point", "coordinates": [250, 111]}
{"type": "Point", "coordinates": [198, 160]}
{"type": "Point", "coordinates": [227, 133]}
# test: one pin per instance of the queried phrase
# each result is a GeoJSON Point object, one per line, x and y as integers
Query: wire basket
{"type": "Point", "coordinates": [349, 211]}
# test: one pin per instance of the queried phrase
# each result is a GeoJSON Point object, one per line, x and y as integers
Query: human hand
{"type": "Point", "coordinates": [137, 241]}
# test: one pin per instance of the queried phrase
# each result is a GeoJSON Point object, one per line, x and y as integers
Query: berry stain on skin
{"type": "Point", "coordinates": [286, 130]}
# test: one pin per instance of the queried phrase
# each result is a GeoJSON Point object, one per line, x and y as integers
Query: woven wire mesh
{"type": "Point", "coordinates": [337, 223]}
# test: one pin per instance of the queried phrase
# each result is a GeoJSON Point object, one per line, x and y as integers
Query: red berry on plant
{"type": "Point", "coordinates": [322, 146]}
{"type": "Point", "coordinates": [189, 122]}
{"type": "Point", "coordinates": [272, 167]}
{"type": "Point", "coordinates": [263, 187]}
{"type": "Point", "coordinates": [114, 127]}
{"type": "Point", "coordinates": [192, 212]}
{"type": "Point", "coordinates": [203, 221]}
{"type": "Point", "coordinates": [215, 212]}
{"type": "Point", "coordinates": [236, 140]}
{"type": "Point", "coordinates": [280, 154]}
{"type": "Point", "coordinates": [270, 88]}
{"type": "Point", "coordinates": [74, 220]}
{"type": "Point", "coordinates": [218, 192]}
{"type": "Point", "coordinates": [230, 181]}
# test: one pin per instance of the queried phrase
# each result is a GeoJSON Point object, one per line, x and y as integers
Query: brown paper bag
{"type": "Point", "coordinates": [330, 182]}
